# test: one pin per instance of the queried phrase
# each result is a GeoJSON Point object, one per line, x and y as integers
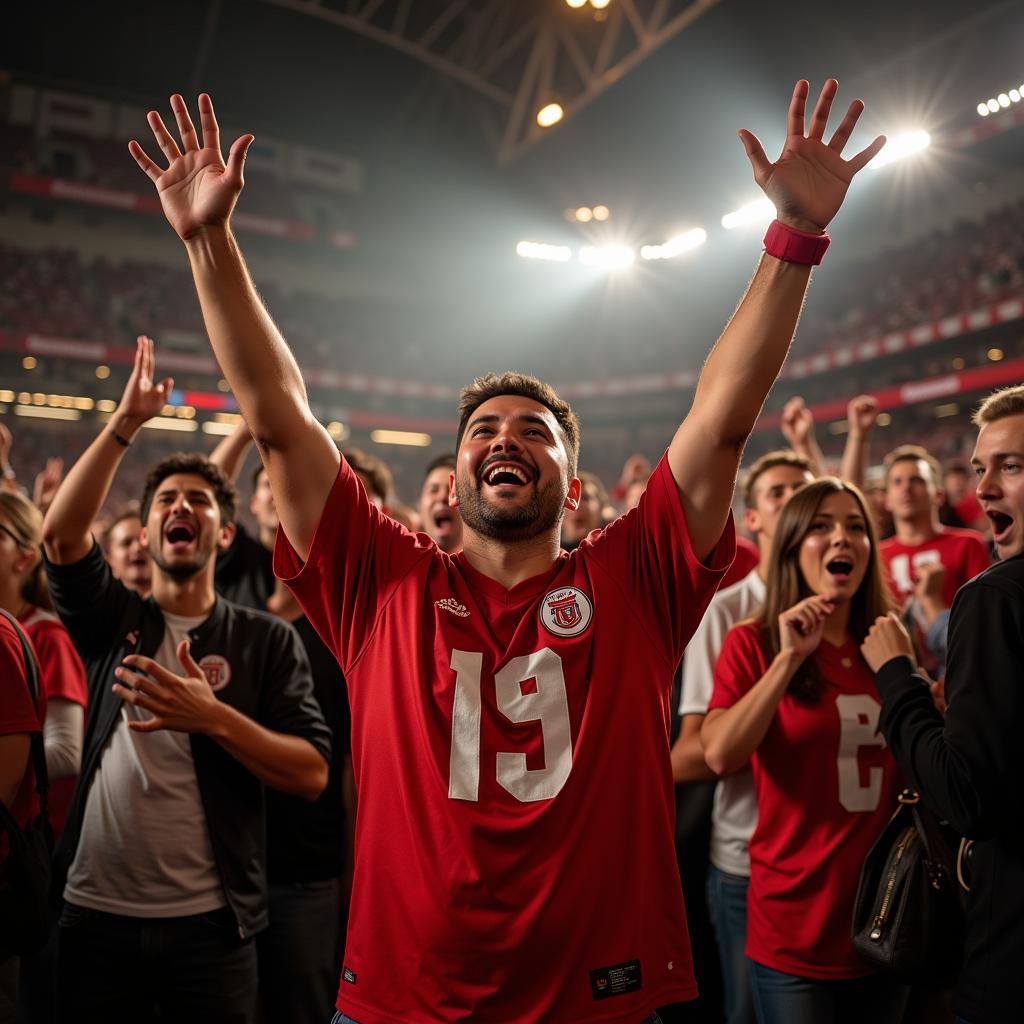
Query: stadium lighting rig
{"type": "Point", "coordinates": [757, 213]}
{"type": "Point", "coordinates": [995, 104]}
{"type": "Point", "coordinates": [607, 257]}
{"type": "Point", "coordinates": [675, 246]}
{"type": "Point", "coordinates": [900, 147]}
{"type": "Point", "coordinates": [544, 251]}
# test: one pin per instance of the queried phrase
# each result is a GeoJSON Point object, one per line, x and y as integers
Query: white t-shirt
{"type": "Point", "coordinates": [734, 813]}
{"type": "Point", "coordinates": [145, 846]}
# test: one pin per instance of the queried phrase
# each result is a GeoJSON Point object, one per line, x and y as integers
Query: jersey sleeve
{"type": "Point", "coordinates": [739, 666]}
{"type": "Point", "coordinates": [699, 660]}
{"type": "Point", "coordinates": [356, 560]}
{"type": "Point", "coordinates": [648, 552]}
{"type": "Point", "coordinates": [90, 602]}
{"type": "Point", "coordinates": [61, 671]}
{"type": "Point", "coordinates": [17, 710]}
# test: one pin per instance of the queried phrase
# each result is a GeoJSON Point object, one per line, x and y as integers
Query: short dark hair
{"type": "Point", "coordinates": [913, 453]}
{"type": "Point", "coordinates": [193, 464]}
{"type": "Point", "coordinates": [446, 461]}
{"type": "Point", "coordinates": [494, 385]}
{"type": "Point", "coordinates": [374, 469]}
{"type": "Point", "coordinates": [780, 457]}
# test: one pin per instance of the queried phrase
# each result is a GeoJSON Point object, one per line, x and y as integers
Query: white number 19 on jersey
{"type": "Point", "coordinates": [549, 705]}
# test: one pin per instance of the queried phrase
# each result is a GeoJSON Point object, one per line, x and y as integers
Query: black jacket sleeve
{"type": "Point", "coordinates": [966, 765]}
{"type": "Point", "coordinates": [288, 704]}
{"type": "Point", "coordinates": [89, 601]}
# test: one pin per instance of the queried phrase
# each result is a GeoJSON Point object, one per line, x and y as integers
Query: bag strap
{"type": "Point", "coordinates": [936, 849]}
{"type": "Point", "coordinates": [37, 748]}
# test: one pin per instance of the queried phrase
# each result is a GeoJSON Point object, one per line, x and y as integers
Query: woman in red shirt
{"type": "Point", "coordinates": [61, 672]}
{"type": "Point", "coordinates": [794, 697]}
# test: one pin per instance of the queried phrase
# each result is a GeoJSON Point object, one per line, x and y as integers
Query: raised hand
{"type": "Point", "coordinates": [197, 189]}
{"type": "Point", "coordinates": [802, 626]}
{"type": "Point", "coordinates": [861, 413]}
{"type": "Point", "coordinates": [886, 639]}
{"type": "Point", "coordinates": [797, 423]}
{"type": "Point", "coordinates": [181, 703]}
{"type": "Point", "coordinates": [46, 483]}
{"type": "Point", "coordinates": [809, 180]}
{"type": "Point", "coordinates": [142, 399]}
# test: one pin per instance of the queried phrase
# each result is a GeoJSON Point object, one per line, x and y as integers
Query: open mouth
{"type": "Point", "coordinates": [444, 519]}
{"type": "Point", "coordinates": [839, 569]}
{"type": "Point", "coordinates": [1001, 523]}
{"type": "Point", "coordinates": [180, 535]}
{"type": "Point", "coordinates": [506, 474]}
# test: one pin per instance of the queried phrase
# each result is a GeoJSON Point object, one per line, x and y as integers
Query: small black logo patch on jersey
{"type": "Point", "coordinates": [349, 975]}
{"type": "Point", "coordinates": [617, 980]}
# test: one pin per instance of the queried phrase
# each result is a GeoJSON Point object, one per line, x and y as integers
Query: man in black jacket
{"type": "Point", "coordinates": [195, 705]}
{"type": "Point", "coordinates": [966, 765]}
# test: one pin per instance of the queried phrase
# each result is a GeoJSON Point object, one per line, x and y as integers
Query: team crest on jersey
{"type": "Point", "coordinates": [217, 671]}
{"type": "Point", "coordinates": [449, 604]}
{"type": "Point", "coordinates": [566, 612]}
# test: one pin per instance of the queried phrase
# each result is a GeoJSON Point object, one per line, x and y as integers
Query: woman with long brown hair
{"type": "Point", "coordinates": [794, 697]}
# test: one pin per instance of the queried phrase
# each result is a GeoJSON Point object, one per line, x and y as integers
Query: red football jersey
{"type": "Point", "coordinates": [964, 554]}
{"type": "Point", "coordinates": [515, 859]}
{"type": "Point", "coordinates": [62, 677]}
{"type": "Point", "coordinates": [17, 715]}
{"type": "Point", "coordinates": [826, 785]}
{"type": "Point", "coordinates": [745, 562]}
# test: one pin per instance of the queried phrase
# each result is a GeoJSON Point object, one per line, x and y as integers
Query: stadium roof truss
{"type": "Point", "coordinates": [516, 56]}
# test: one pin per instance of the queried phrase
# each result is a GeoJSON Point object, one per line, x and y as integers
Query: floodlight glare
{"type": "Point", "coordinates": [993, 105]}
{"type": "Point", "coordinates": [983, 109]}
{"type": "Point", "coordinates": [601, 212]}
{"type": "Point", "coordinates": [675, 246]}
{"type": "Point", "coordinates": [575, 3]}
{"type": "Point", "coordinates": [758, 212]}
{"type": "Point", "coordinates": [584, 214]}
{"type": "Point", "coordinates": [1004, 100]}
{"type": "Point", "coordinates": [901, 146]}
{"type": "Point", "coordinates": [1014, 95]}
{"type": "Point", "coordinates": [607, 257]}
{"type": "Point", "coordinates": [543, 251]}
{"type": "Point", "coordinates": [549, 115]}
{"type": "Point", "coordinates": [599, 5]}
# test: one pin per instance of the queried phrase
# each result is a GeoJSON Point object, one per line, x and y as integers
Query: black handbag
{"type": "Point", "coordinates": [908, 918]}
{"type": "Point", "coordinates": [24, 895]}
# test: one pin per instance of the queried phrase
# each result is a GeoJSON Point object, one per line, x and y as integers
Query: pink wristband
{"type": "Point", "coordinates": [786, 243]}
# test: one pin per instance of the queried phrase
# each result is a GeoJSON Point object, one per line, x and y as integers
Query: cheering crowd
{"type": "Point", "coordinates": [419, 759]}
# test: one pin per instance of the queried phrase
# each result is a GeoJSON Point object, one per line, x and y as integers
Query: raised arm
{"type": "Point", "coordinates": [807, 184]}
{"type": "Point", "coordinates": [78, 500]}
{"type": "Point", "coordinates": [798, 430]}
{"type": "Point", "coordinates": [198, 192]}
{"type": "Point", "coordinates": [861, 414]}
{"type": "Point", "coordinates": [229, 455]}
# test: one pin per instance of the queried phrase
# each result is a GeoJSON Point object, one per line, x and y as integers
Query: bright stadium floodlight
{"type": "Point", "coordinates": [550, 114]}
{"type": "Point", "coordinates": [607, 257]}
{"type": "Point", "coordinates": [575, 3]}
{"type": "Point", "coordinates": [758, 212]}
{"type": "Point", "coordinates": [675, 246]}
{"type": "Point", "coordinates": [993, 106]}
{"type": "Point", "coordinates": [543, 251]}
{"type": "Point", "coordinates": [1014, 95]}
{"type": "Point", "coordinates": [983, 110]}
{"type": "Point", "coordinates": [900, 147]}
{"type": "Point", "coordinates": [1004, 100]}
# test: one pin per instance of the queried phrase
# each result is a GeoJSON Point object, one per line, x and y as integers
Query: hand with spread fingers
{"type": "Point", "coordinates": [183, 703]}
{"type": "Point", "coordinates": [802, 626]}
{"type": "Point", "coordinates": [887, 639]}
{"type": "Point", "coordinates": [809, 180]}
{"type": "Point", "coordinates": [197, 189]}
{"type": "Point", "coordinates": [143, 398]}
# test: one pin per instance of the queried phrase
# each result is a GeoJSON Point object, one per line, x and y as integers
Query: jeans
{"type": "Point", "coordinates": [727, 904]}
{"type": "Point", "coordinates": [298, 955]}
{"type": "Point", "coordinates": [788, 999]}
{"type": "Point", "coordinates": [113, 969]}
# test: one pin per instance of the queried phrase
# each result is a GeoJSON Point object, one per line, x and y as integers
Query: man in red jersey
{"type": "Point", "coordinates": [913, 496]}
{"type": "Point", "coordinates": [509, 703]}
